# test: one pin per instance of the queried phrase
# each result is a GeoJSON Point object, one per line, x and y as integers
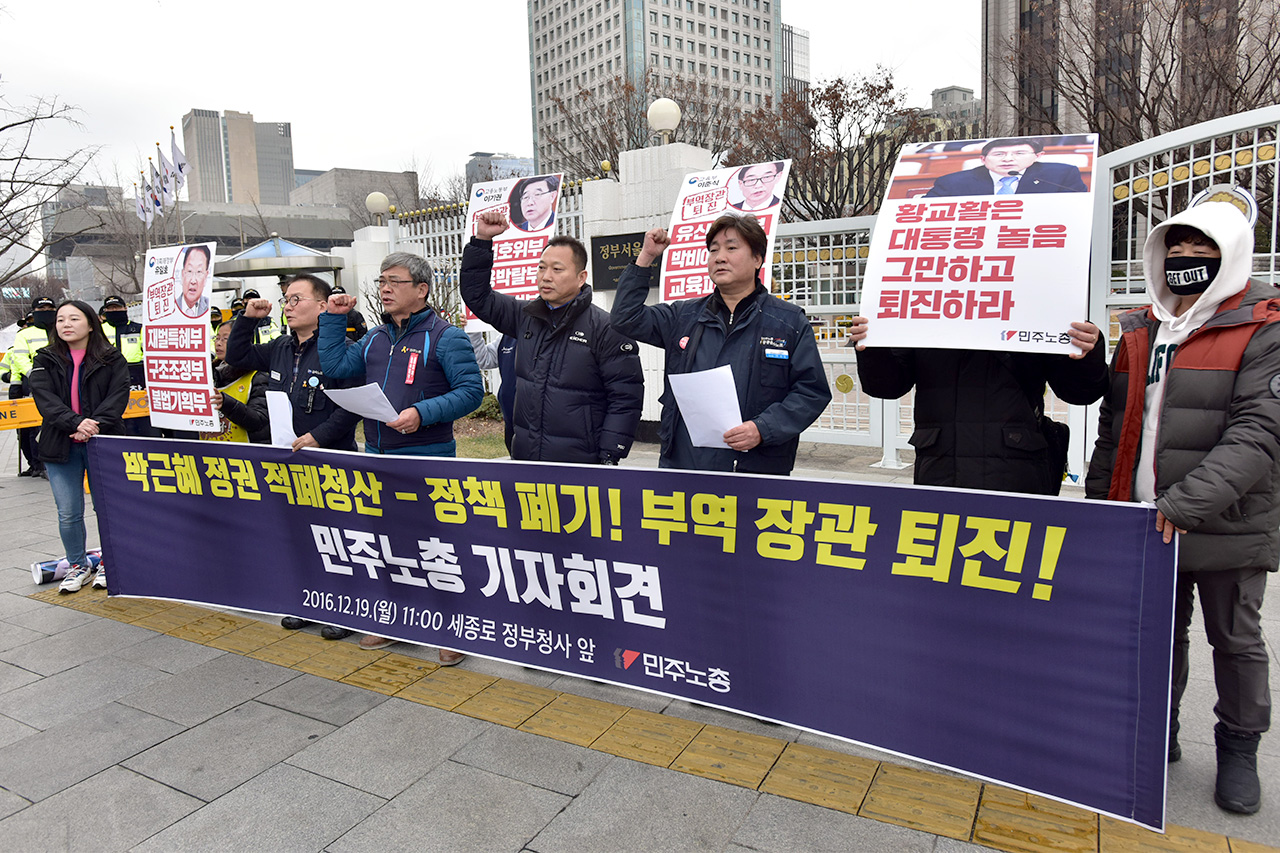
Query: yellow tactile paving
{"type": "Point", "coordinates": [574, 719]}
{"type": "Point", "coordinates": [248, 639]}
{"type": "Point", "coordinates": [336, 660]}
{"type": "Point", "coordinates": [291, 650]}
{"type": "Point", "coordinates": [648, 737]}
{"type": "Point", "coordinates": [729, 756]}
{"type": "Point", "coordinates": [390, 674]}
{"type": "Point", "coordinates": [507, 703]}
{"type": "Point", "coordinates": [1238, 846]}
{"type": "Point", "coordinates": [446, 688]}
{"type": "Point", "coordinates": [170, 618]}
{"type": "Point", "coordinates": [210, 627]}
{"type": "Point", "coordinates": [132, 610]}
{"type": "Point", "coordinates": [921, 799]}
{"type": "Point", "coordinates": [1024, 823]}
{"type": "Point", "coordinates": [1116, 836]}
{"type": "Point", "coordinates": [822, 777]}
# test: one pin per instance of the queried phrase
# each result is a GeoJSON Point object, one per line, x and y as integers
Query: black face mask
{"type": "Point", "coordinates": [117, 318]}
{"type": "Point", "coordinates": [44, 318]}
{"type": "Point", "coordinates": [1188, 275]}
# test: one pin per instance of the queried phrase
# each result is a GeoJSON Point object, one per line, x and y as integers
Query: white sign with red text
{"type": "Point", "coordinates": [530, 206]}
{"type": "Point", "coordinates": [962, 262]}
{"type": "Point", "coordinates": [704, 197]}
{"type": "Point", "coordinates": [177, 283]}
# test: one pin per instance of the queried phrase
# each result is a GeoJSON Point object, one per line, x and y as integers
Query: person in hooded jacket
{"type": "Point", "coordinates": [1192, 423]}
{"type": "Point", "coordinates": [578, 383]}
{"type": "Point", "coordinates": [81, 387]}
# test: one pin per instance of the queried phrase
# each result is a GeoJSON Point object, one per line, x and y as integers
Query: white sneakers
{"type": "Point", "coordinates": [76, 577]}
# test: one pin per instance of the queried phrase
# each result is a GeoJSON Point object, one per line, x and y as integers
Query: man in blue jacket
{"type": "Point", "coordinates": [767, 343]}
{"type": "Point", "coordinates": [422, 362]}
{"type": "Point", "coordinates": [1011, 167]}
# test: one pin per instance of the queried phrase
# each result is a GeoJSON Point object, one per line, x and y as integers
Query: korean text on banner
{"type": "Point", "coordinates": [756, 190]}
{"type": "Point", "coordinates": [178, 281]}
{"type": "Point", "coordinates": [530, 206]}
{"type": "Point", "coordinates": [971, 251]}
{"type": "Point", "coordinates": [1022, 639]}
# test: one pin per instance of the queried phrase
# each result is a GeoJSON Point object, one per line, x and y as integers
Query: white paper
{"type": "Point", "coordinates": [708, 401]}
{"type": "Point", "coordinates": [367, 401]}
{"type": "Point", "coordinates": [281, 412]}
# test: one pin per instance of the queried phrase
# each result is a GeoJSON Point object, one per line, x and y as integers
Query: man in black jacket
{"type": "Point", "coordinates": [579, 385]}
{"type": "Point", "coordinates": [978, 414]}
{"type": "Point", "coordinates": [294, 365]}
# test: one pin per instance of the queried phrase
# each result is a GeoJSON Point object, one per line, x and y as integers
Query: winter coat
{"type": "Point", "coordinates": [104, 394]}
{"type": "Point", "coordinates": [579, 386]}
{"type": "Point", "coordinates": [1217, 454]}
{"type": "Point", "coordinates": [977, 413]}
{"type": "Point", "coordinates": [313, 412]}
{"type": "Point", "coordinates": [251, 415]}
{"type": "Point", "coordinates": [426, 363]}
{"type": "Point", "coordinates": [777, 369]}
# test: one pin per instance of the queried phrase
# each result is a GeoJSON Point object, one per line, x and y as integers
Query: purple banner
{"type": "Point", "coordinates": [1025, 640]}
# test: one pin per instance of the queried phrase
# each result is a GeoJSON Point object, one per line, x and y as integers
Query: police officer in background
{"type": "Point", "coordinates": [126, 336]}
{"type": "Point", "coordinates": [266, 330]}
{"type": "Point", "coordinates": [356, 326]}
{"type": "Point", "coordinates": [34, 337]}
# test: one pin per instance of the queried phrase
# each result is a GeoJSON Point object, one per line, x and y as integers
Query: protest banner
{"type": "Point", "coordinates": [987, 251]}
{"type": "Point", "coordinates": [530, 206]}
{"type": "Point", "coordinates": [177, 284]}
{"type": "Point", "coordinates": [704, 197]}
{"type": "Point", "coordinates": [1025, 640]}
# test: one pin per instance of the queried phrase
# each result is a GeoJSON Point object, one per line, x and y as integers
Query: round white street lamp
{"type": "Point", "coordinates": [664, 117]}
{"type": "Point", "coordinates": [377, 204]}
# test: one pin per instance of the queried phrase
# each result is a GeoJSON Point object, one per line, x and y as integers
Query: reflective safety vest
{"type": "Point", "coordinates": [237, 390]}
{"type": "Point", "coordinates": [25, 345]}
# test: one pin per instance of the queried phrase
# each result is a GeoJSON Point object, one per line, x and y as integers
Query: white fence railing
{"type": "Point", "coordinates": [820, 265]}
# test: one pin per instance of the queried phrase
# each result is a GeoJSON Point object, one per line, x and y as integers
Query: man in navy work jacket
{"type": "Point", "coordinates": [423, 363]}
{"type": "Point", "coordinates": [579, 386]}
{"type": "Point", "coordinates": [1011, 167]}
{"type": "Point", "coordinates": [292, 364]}
{"type": "Point", "coordinates": [766, 342]}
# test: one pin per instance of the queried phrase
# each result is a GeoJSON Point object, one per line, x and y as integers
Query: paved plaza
{"type": "Point", "coordinates": [155, 726]}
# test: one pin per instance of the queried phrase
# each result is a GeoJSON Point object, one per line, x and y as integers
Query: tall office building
{"type": "Point", "coordinates": [795, 59]}
{"type": "Point", "coordinates": [1124, 68]}
{"type": "Point", "coordinates": [235, 159]}
{"type": "Point", "coordinates": [733, 46]}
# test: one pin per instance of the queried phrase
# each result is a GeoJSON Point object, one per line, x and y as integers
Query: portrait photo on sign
{"type": "Point", "coordinates": [1017, 165]}
{"type": "Point", "coordinates": [533, 202]}
{"type": "Point", "coordinates": [194, 266]}
{"type": "Point", "coordinates": [758, 187]}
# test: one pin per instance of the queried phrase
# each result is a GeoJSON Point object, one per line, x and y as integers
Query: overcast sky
{"type": "Point", "coordinates": [377, 86]}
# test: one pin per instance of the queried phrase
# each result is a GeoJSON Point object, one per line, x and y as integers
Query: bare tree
{"type": "Point", "coordinates": [597, 124]}
{"type": "Point", "coordinates": [1134, 69]}
{"type": "Point", "coordinates": [17, 293]}
{"type": "Point", "coordinates": [843, 136]}
{"type": "Point", "coordinates": [31, 179]}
